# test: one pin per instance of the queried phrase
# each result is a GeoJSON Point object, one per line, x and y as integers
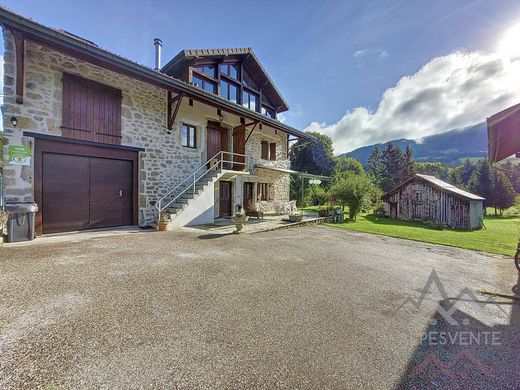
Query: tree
{"type": "Point", "coordinates": [504, 193]}
{"type": "Point", "coordinates": [345, 165]}
{"type": "Point", "coordinates": [376, 167]}
{"type": "Point", "coordinates": [512, 171]}
{"type": "Point", "coordinates": [408, 164]}
{"type": "Point", "coordinates": [392, 161]}
{"type": "Point", "coordinates": [319, 194]}
{"type": "Point", "coordinates": [313, 156]}
{"type": "Point", "coordinates": [436, 169]}
{"type": "Point", "coordinates": [352, 190]}
{"type": "Point", "coordinates": [481, 182]}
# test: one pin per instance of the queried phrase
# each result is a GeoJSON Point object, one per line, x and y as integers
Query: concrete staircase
{"type": "Point", "coordinates": [188, 200]}
{"type": "Point", "coordinates": [192, 201]}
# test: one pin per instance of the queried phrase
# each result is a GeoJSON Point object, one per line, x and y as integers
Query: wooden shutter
{"type": "Point", "coordinates": [272, 151]}
{"type": "Point", "coordinates": [265, 150]}
{"type": "Point", "coordinates": [271, 193]}
{"type": "Point", "coordinates": [90, 111]}
{"type": "Point", "coordinates": [239, 146]}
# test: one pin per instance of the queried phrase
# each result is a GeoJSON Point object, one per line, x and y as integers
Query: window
{"type": "Point", "coordinates": [264, 191]}
{"type": "Point", "coordinates": [90, 111]}
{"type": "Point", "coordinates": [204, 84]}
{"type": "Point", "coordinates": [249, 100]}
{"type": "Point", "coordinates": [265, 150]}
{"type": "Point", "coordinates": [417, 196]}
{"type": "Point", "coordinates": [206, 69]}
{"type": "Point", "coordinates": [230, 70]}
{"type": "Point", "coordinates": [228, 91]}
{"type": "Point", "coordinates": [248, 82]}
{"type": "Point", "coordinates": [248, 191]}
{"type": "Point", "coordinates": [272, 151]}
{"type": "Point", "coordinates": [268, 112]}
{"type": "Point", "coordinates": [188, 136]}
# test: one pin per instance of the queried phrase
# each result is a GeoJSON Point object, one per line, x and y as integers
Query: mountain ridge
{"type": "Point", "coordinates": [449, 147]}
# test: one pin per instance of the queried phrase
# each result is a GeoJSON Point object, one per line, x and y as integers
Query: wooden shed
{"type": "Point", "coordinates": [426, 198]}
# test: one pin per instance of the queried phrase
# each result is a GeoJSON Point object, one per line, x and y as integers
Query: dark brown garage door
{"type": "Point", "coordinates": [85, 192]}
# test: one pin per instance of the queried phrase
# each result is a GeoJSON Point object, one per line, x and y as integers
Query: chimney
{"type": "Point", "coordinates": [158, 44]}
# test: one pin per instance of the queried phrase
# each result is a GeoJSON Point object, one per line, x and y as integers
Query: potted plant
{"type": "Point", "coordinates": [296, 216]}
{"type": "Point", "coordinates": [239, 219]}
{"type": "Point", "coordinates": [4, 217]}
{"type": "Point", "coordinates": [164, 220]}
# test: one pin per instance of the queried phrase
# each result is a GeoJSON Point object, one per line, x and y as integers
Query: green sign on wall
{"type": "Point", "coordinates": [19, 155]}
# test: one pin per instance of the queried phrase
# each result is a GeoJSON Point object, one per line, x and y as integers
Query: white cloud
{"type": "Point", "coordinates": [449, 92]}
{"type": "Point", "coordinates": [383, 54]}
{"type": "Point", "coordinates": [360, 53]}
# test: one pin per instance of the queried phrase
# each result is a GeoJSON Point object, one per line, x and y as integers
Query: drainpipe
{"type": "Point", "coordinates": [158, 45]}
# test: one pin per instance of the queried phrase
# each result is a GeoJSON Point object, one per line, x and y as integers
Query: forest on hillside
{"type": "Point", "coordinates": [390, 166]}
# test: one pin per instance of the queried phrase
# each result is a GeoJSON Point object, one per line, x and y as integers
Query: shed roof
{"type": "Point", "coordinates": [439, 184]}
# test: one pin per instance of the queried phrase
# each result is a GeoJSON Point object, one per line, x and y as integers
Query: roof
{"type": "Point", "coordinates": [250, 61]}
{"type": "Point", "coordinates": [439, 184]}
{"type": "Point", "coordinates": [90, 52]}
{"type": "Point", "coordinates": [504, 133]}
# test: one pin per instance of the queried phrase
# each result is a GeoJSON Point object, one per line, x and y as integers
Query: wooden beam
{"type": "Point", "coordinates": [253, 129]}
{"type": "Point", "coordinates": [172, 113]}
{"type": "Point", "coordinates": [19, 43]}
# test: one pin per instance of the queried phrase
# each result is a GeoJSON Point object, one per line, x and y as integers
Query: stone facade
{"type": "Point", "coordinates": [163, 164]}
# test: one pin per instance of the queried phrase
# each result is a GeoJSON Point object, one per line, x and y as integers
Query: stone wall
{"type": "Point", "coordinates": [163, 164]}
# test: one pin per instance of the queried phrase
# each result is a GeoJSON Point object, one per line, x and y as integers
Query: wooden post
{"type": "Point", "coordinates": [19, 43]}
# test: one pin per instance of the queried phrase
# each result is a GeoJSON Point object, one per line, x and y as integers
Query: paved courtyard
{"type": "Point", "coordinates": [312, 307]}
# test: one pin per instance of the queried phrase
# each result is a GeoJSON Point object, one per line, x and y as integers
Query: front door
{"type": "Point", "coordinates": [217, 140]}
{"type": "Point", "coordinates": [248, 196]}
{"type": "Point", "coordinates": [225, 199]}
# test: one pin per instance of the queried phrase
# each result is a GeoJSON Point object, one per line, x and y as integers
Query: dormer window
{"type": "Point", "coordinates": [235, 75]}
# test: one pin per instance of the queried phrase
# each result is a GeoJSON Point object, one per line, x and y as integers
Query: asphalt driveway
{"type": "Point", "coordinates": [313, 307]}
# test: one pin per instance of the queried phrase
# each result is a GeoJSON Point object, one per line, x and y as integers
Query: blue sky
{"type": "Point", "coordinates": [334, 61]}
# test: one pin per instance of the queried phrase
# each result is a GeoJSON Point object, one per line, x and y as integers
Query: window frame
{"type": "Point", "coordinates": [188, 138]}
{"type": "Point", "coordinates": [250, 93]}
{"type": "Point", "coordinates": [264, 191]}
{"type": "Point", "coordinates": [204, 79]}
{"type": "Point", "coordinates": [230, 83]}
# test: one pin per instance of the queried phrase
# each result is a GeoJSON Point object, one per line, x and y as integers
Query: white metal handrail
{"type": "Point", "coordinates": [192, 180]}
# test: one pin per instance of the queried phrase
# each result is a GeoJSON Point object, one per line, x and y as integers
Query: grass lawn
{"type": "Point", "coordinates": [499, 236]}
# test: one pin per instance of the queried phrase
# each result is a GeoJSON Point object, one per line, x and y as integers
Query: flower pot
{"type": "Point", "coordinates": [323, 213]}
{"type": "Point", "coordinates": [296, 218]}
{"type": "Point", "coordinates": [239, 220]}
{"type": "Point", "coordinates": [162, 225]}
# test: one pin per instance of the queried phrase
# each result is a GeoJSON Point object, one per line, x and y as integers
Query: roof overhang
{"type": "Point", "coordinates": [290, 171]}
{"type": "Point", "coordinates": [504, 134]}
{"type": "Point", "coordinates": [250, 61]}
{"type": "Point", "coordinates": [81, 49]}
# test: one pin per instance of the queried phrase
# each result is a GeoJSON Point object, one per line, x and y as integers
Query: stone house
{"type": "Point", "coordinates": [112, 142]}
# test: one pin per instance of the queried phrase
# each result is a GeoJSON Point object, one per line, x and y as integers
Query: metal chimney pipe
{"type": "Point", "coordinates": [158, 45]}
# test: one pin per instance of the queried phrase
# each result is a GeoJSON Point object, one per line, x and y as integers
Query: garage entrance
{"type": "Point", "coordinates": [82, 186]}
{"type": "Point", "coordinates": [85, 192]}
